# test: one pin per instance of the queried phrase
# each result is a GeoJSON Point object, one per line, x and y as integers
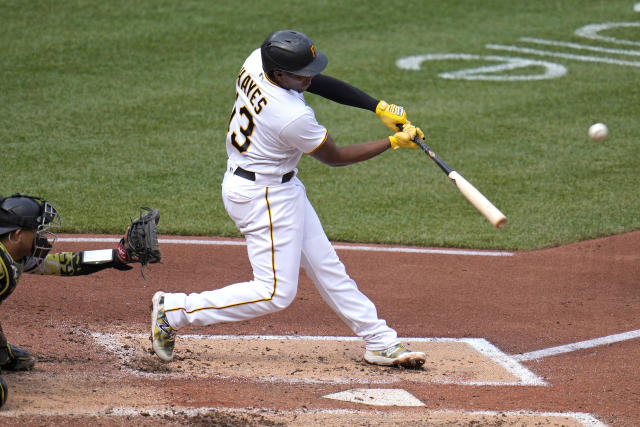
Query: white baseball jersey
{"type": "Point", "coordinates": [270, 127]}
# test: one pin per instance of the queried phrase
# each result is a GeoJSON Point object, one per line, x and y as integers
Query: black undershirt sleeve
{"type": "Point", "coordinates": [341, 92]}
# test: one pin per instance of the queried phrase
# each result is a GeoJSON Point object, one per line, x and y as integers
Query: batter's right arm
{"type": "Point", "coordinates": [334, 155]}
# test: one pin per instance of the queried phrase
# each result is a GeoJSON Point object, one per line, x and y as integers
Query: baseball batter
{"type": "Point", "coordinates": [270, 128]}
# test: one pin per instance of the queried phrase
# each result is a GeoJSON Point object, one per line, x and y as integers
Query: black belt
{"type": "Point", "coordinates": [251, 176]}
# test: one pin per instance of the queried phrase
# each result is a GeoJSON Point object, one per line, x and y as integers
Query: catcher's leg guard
{"type": "Point", "coordinates": [14, 358]}
{"type": "Point", "coordinates": [4, 391]}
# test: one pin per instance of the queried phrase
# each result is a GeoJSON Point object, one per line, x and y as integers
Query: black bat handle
{"type": "Point", "coordinates": [441, 163]}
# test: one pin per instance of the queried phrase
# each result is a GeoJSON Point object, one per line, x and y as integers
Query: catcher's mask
{"type": "Point", "coordinates": [293, 52]}
{"type": "Point", "coordinates": [31, 213]}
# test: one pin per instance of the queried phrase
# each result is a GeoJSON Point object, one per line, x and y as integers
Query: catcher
{"type": "Point", "coordinates": [26, 237]}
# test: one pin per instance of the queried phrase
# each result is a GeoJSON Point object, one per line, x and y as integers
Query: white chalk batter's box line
{"type": "Point", "coordinates": [525, 377]}
{"type": "Point", "coordinates": [365, 248]}
{"type": "Point", "coordinates": [585, 419]}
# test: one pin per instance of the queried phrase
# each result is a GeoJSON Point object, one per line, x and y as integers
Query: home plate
{"type": "Point", "coordinates": [377, 397]}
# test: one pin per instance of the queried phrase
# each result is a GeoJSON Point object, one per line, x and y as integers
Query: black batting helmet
{"type": "Point", "coordinates": [292, 51]}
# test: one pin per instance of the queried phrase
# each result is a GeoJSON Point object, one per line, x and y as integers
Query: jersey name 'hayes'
{"type": "Point", "coordinates": [292, 129]}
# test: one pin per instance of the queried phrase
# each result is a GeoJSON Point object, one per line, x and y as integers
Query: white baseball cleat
{"type": "Point", "coordinates": [396, 355]}
{"type": "Point", "coordinates": [163, 335]}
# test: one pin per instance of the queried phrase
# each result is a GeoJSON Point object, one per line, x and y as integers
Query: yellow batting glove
{"type": "Point", "coordinates": [393, 116]}
{"type": "Point", "coordinates": [404, 139]}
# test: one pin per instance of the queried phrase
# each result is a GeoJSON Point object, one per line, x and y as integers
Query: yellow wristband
{"type": "Point", "coordinates": [382, 105]}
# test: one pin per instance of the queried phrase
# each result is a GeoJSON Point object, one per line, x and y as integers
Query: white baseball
{"type": "Point", "coordinates": [598, 131]}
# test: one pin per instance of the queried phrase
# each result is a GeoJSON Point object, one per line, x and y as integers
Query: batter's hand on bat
{"type": "Point", "coordinates": [393, 116]}
{"type": "Point", "coordinates": [404, 139]}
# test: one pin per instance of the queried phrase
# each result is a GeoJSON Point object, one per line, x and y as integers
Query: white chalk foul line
{"type": "Point", "coordinates": [366, 248]}
{"type": "Point", "coordinates": [596, 342]}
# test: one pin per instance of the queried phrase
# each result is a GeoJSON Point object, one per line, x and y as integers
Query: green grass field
{"type": "Point", "coordinates": [108, 106]}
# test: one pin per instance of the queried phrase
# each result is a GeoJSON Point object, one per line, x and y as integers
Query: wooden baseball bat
{"type": "Point", "coordinates": [477, 199]}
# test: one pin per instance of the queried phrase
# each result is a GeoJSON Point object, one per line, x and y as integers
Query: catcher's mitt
{"type": "Point", "coordinates": [140, 243]}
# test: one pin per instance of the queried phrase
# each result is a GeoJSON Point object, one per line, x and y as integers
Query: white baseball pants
{"type": "Point", "coordinates": [282, 232]}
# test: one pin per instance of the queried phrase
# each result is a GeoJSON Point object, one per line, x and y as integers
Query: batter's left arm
{"type": "Point", "coordinates": [393, 116]}
{"type": "Point", "coordinates": [341, 92]}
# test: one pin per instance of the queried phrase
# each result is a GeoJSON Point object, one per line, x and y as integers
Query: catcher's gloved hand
{"type": "Point", "coordinates": [393, 116]}
{"type": "Point", "coordinates": [14, 358]}
{"type": "Point", "coordinates": [404, 139]}
{"type": "Point", "coordinates": [140, 241]}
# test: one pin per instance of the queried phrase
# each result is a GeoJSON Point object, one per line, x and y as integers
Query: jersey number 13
{"type": "Point", "coordinates": [245, 131]}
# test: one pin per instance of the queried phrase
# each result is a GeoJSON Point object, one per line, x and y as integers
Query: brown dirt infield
{"type": "Point", "coordinates": [89, 334]}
